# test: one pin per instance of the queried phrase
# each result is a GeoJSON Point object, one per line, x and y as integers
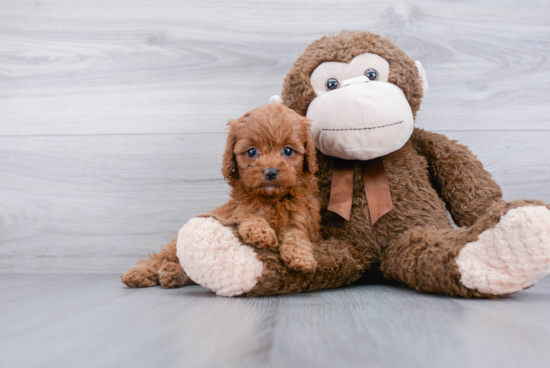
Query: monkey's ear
{"type": "Point", "coordinates": [310, 157]}
{"type": "Point", "coordinates": [229, 163]}
{"type": "Point", "coordinates": [275, 99]}
{"type": "Point", "coordinates": [423, 78]}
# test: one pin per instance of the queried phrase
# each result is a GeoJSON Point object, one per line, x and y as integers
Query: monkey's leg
{"type": "Point", "coordinates": [163, 268]}
{"type": "Point", "coordinates": [215, 257]}
{"type": "Point", "coordinates": [504, 252]}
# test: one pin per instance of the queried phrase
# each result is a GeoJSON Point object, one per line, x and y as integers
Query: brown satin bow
{"type": "Point", "coordinates": [376, 185]}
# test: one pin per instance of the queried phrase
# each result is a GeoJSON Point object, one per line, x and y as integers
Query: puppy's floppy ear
{"type": "Point", "coordinates": [229, 163]}
{"type": "Point", "coordinates": [310, 157]}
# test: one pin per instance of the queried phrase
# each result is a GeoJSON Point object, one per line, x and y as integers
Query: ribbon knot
{"type": "Point", "coordinates": [376, 186]}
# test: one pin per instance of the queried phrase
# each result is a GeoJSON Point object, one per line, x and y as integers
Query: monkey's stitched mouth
{"type": "Point", "coordinates": [366, 128]}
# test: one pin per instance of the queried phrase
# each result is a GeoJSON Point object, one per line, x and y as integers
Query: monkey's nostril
{"type": "Point", "coordinates": [271, 173]}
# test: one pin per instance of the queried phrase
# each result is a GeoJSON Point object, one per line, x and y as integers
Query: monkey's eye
{"type": "Point", "coordinates": [287, 151]}
{"type": "Point", "coordinates": [371, 73]}
{"type": "Point", "coordinates": [251, 153]}
{"type": "Point", "coordinates": [332, 83]}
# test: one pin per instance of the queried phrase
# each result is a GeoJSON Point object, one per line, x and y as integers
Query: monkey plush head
{"type": "Point", "coordinates": [361, 92]}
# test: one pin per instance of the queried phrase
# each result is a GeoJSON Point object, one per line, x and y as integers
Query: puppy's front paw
{"type": "Point", "coordinates": [140, 276]}
{"type": "Point", "coordinates": [259, 234]}
{"type": "Point", "coordinates": [298, 255]}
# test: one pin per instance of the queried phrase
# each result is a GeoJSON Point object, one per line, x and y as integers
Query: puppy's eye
{"type": "Point", "coordinates": [287, 151]}
{"type": "Point", "coordinates": [371, 73]}
{"type": "Point", "coordinates": [251, 153]}
{"type": "Point", "coordinates": [332, 83]}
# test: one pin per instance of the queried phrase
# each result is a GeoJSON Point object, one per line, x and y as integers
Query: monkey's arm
{"type": "Point", "coordinates": [459, 177]}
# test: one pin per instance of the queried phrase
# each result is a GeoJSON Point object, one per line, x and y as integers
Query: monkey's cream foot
{"type": "Point", "coordinates": [510, 256]}
{"type": "Point", "coordinates": [214, 258]}
{"type": "Point", "coordinates": [298, 254]}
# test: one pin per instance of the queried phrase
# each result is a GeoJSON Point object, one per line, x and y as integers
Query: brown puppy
{"type": "Point", "coordinates": [269, 162]}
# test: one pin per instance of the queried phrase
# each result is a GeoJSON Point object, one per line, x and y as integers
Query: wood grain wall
{"type": "Point", "coordinates": [112, 113]}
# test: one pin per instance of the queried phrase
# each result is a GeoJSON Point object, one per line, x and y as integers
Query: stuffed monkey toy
{"type": "Point", "coordinates": [386, 188]}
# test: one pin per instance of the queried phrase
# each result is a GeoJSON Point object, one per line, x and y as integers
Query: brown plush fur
{"type": "Point", "coordinates": [388, 245]}
{"type": "Point", "coordinates": [414, 243]}
{"type": "Point", "coordinates": [281, 214]}
{"type": "Point", "coordinates": [283, 211]}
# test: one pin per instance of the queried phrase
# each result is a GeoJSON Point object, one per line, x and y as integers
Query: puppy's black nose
{"type": "Point", "coordinates": [271, 173]}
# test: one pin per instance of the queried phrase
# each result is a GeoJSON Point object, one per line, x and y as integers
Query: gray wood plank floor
{"type": "Point", "coordinates": [94, 321]}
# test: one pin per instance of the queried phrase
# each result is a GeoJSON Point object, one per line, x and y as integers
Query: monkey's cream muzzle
{"type": "Point", "coordinates": [361, 120]}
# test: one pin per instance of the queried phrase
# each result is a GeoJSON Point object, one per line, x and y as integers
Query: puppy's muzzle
{"type": "Point", "coordinates": [271, 173]}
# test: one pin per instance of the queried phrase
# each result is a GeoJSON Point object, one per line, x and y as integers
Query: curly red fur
{"type": "Point", "coordinates": [283, 211]}
{"type": "Point", "coordinates": [163, 269]}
